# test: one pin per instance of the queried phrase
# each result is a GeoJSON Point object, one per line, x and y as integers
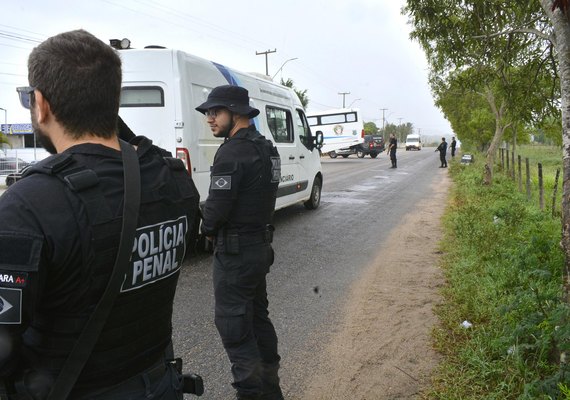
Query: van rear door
{"type": "Point", "coordinates": [143, 108]}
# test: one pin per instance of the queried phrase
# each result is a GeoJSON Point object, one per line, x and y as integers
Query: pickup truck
{"type": "Point", "coordinates": [372, 146]}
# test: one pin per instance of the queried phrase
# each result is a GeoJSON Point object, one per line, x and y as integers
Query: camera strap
{"type": "Point", "coordinates": [86, 341]}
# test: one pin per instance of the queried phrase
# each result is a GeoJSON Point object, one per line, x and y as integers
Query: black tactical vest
{"type": "Point", "coordinates": [256, 206]}
{"type": "Point", "coordinates": [138, 329]}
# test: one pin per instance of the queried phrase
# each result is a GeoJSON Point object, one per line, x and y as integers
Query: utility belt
{"type": "Point", "coordinates": [231, 241]}
{"type": "Point", "coordinates": [152, 379]}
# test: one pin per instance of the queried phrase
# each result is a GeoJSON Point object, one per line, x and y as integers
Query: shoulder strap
{"type": "Point", "coordinates": [86, 341]}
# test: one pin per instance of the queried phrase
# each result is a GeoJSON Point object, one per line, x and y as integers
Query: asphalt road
{"type": "Point", "coordinates": [318, 255]}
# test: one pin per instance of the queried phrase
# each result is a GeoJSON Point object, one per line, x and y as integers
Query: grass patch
{"type": "Point", "coordinates": [503, 267]}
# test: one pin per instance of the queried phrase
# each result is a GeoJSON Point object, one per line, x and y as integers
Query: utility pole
{"type": "Point", "coordinates": [266, 62]}
{"type": "Point", "coordinates": [400, 121]}
{"type": "Point", "coordinates": [343, 94]}
{"type": "Point", "coordinates": [383, 120]}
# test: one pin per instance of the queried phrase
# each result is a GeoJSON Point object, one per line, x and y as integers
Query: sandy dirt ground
{"type": "Point", "coordinates": [382, 350]}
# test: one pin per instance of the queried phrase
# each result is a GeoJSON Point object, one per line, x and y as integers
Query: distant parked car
{"type": "Point", "coordinates": [16, 176]}
{"type": "Point", "coordinates": [467, 159]}
{"type": "Point", "coordinates": [11, 164]}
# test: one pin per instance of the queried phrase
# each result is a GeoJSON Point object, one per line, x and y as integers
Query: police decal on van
{"type": "Point", "coordinates": [158, 251]}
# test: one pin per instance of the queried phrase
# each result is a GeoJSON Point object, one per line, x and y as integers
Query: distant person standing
{"type": "Point", "coordinates": [453, 144]}
{"type": "Point", "coordinates": [392, 146]}
{"type": "Point", "coordinates": [442, 148]}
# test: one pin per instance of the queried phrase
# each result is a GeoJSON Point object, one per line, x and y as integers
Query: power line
{"type": "Point", "coordinates": [11, 36]}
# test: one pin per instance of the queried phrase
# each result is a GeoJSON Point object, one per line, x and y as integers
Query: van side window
{"type": "Point", "coordinates": [142, 96]}
{"type": "Point", "coordinates": [280, 124]}
{"type": "Point", "coordinates": [304, 130]}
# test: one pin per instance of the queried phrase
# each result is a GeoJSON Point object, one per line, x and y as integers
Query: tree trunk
{"type": "Point", "coordinates": [561, 25]}
{"type": "Point", "coordinates": [499, 130]}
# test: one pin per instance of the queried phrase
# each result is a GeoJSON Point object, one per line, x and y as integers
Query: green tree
{"type": "Point", "coordinates": [404, 130]}
{"type": "Point", "coordinates": [303, 97]}
{"type": "Point", "coordinates": [4, 140]}
{"type": "Point", "coordinates": [370, 128]}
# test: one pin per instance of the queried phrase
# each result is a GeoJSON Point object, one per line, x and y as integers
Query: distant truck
{"type": "Point", "coordinates": [343, 131]}
{"type": "Point", "coordinates": [413, 142]}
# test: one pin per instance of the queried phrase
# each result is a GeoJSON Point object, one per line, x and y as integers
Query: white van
{"type": "Point", "coordinates": [413, 142]}
{"type": "Point", "coordinates": [162, 87]}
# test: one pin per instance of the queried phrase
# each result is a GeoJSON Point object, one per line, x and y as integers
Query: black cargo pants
{"type": "Point", "coordinates": [242, 318]}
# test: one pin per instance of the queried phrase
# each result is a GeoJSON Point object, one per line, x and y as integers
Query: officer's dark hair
{"type": "Point", "coordinates": [80, 77]}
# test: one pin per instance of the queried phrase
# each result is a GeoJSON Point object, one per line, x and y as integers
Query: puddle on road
{"type": "Point", "coordinates": [327, 198]}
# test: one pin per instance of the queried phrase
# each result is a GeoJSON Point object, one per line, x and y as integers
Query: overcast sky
{"type": "Point", "coordinates": [357, 46]}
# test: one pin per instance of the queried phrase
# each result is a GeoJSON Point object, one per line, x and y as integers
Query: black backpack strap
{"type": "Point", "coordinates": [86, 341]}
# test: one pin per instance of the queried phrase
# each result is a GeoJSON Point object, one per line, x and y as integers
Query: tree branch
{"type": "Point", "coordinates": [518, 30]}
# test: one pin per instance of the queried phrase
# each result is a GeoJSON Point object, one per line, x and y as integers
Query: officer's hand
{"type": "Point", "coordinates": [210, 238]}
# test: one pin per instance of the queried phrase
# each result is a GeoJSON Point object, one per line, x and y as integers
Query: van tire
{"type": "Point", "coordinates": [373, 155]}
{"type": "Point", "coordinates": [359, 153]}
{"type": "Point", "coordinates": [332, 154]}
{"type": "Point", "coordinates": [315, 199]}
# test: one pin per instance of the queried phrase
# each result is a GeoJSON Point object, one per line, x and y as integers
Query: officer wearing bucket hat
{"type": "Point", "coordinates": [237, 216]}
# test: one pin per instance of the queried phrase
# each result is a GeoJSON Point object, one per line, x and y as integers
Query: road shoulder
{"type": "Point", "coordinates": [382, 348]}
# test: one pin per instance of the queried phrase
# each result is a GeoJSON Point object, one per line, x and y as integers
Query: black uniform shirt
{"type": "Point", "coordinates": [393, 145]}
{"type": "Point", "coordinates": [236, 173]}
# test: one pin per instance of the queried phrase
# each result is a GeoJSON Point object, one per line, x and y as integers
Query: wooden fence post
{"type": "Point", "coordinates": [540, 187]}
{"type": "Point", "coordinates": [527, 179]}
{"type": "Point", "coordinates": [502, 159]}
{"type": "Point", "coordinates": [555, 191]}
{"type": "Point", "coordinates": [513, 171]}
{"type": "Point", "coordinates": [520, 173]}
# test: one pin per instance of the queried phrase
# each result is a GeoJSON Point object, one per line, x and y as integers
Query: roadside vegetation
{"type": "Point", "coordinates": [503, 265]}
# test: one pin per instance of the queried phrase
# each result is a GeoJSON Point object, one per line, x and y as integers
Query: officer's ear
{"type": "Point", "coordinates": [42, 107]}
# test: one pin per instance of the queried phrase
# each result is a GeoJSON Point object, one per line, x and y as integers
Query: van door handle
{"type": "Point", "coordinates": [291, 157]}
{"type": "Point", "coordinates": [302, 157]}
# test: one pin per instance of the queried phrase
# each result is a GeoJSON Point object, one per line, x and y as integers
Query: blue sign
{"type": "Point", "coordinates": [17, 129]}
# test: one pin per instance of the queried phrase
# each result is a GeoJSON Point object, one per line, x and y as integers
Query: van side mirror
{"type": "Point", "coordinates": [319, 139]}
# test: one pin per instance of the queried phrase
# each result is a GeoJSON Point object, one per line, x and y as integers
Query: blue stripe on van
{"type": "Point", "coordinates": [232, 80]}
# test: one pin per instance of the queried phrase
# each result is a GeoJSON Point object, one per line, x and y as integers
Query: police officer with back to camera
{"type": "Point", "coordinates": [442, 148]}
{"type": "Point", "coordinates": [60, 234]}
{"type": "Point", "coordinates": [392, 147]}
{"type": "Point", "coordinates": [237, 216]}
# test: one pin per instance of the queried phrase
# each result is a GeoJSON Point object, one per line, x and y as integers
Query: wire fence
{"type": "Point", "coordinates": [536, 186]}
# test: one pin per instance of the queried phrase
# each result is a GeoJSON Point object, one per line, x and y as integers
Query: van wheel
{"type": "Point", "coordinates": [315, 198]}
{"type": "Point", "coordinates": [332, 154]}
{"type": "Point", "coordinates": [373, 155]}
{"type": "Point", "coordinates": [359, 154]}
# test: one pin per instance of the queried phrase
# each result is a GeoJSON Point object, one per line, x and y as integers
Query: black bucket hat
{"type": "Point", "coordinates": [234, 98]}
